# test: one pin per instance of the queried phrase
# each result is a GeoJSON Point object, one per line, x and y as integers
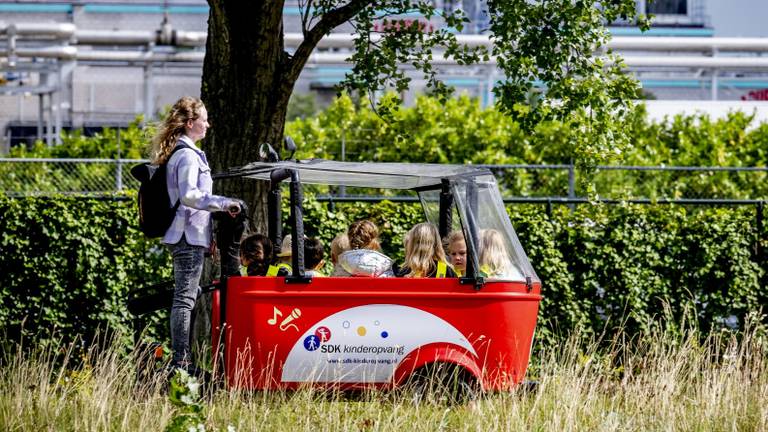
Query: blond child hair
{"type": "Point", "coordinates": [339, 245]}
{"type": "Point", "coordinates": [494, 258]}
{"type": "Point", "coordinates": [423, 250]}
{"type": "Point", "coordinates": [450, 243]}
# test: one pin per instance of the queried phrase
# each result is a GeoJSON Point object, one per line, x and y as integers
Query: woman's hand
{"type": "Point", "coordinates": [234, 208]}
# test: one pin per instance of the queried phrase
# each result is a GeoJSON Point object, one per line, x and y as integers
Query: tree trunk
{"type": "Point", "coordinates": [246, 91]}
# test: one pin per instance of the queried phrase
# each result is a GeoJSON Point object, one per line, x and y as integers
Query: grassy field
{"type": "Point", "coordinates": [654, 383]}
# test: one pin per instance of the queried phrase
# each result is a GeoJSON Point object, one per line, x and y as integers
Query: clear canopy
{"type": "Point", "coordinates": [484, 225]}
{"type": "Point", "coordinates": [478, 211]}
{"type": "Point", "coordinates": [361, 174]}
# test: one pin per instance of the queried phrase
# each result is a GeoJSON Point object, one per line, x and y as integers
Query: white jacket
{"type": "Point", "coordinates": [363, 262]}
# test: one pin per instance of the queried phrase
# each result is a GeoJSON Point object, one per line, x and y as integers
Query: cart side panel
{"type": "Point", "coordinates": [359, 331]}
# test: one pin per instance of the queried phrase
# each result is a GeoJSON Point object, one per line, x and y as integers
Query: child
{"type": "Point", "coordinates": [424, 255]}
{"type": "Point", "coordinates": [457, 251]}
{"type": "Point", "coordinates": [339, 245]}
{"type": "Point", "coordinates": [255, 255]}
{"type": "Point", "coordinates": [285, 254]}
{"type": "Point", "coordinates": [364, 257]}
{"type": "Point", "coordinates": [494, 258]}
{"type": "Point", "coordinates": [313, 257]}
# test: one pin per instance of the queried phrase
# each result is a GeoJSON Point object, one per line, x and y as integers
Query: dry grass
{"type": "Point", "coordinates": [655, 383]}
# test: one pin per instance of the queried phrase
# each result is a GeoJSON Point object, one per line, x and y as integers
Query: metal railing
{"type": "Point", "coordinates": [35, 176]}
{"type": "Point", "coordinates": [532, 182]}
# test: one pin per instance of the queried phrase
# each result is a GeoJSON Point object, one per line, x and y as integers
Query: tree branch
{"type": "Point", "coordinates": [328, 22]}
{"type": "Point", "coordinates": [305, 17]}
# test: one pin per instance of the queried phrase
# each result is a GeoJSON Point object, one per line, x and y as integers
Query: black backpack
{"type": "Point", "coordinates": [156, 212]}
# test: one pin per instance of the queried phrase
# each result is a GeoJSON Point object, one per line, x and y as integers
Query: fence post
{"type": "Point", "coordinates": [759, 233]}
{"type": "Point", "coordinates": [119, 170]}
{"type": "Point", "coordinates": [571, 184]}
{"type": "Point", "coordinates": [342, 188]}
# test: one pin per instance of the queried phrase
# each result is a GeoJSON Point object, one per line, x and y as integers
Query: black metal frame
{"type": "Point", "coordinates": [274, 222]}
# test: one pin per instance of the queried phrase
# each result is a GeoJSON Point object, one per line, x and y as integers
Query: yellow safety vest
{"type": "Point", "coordinates": [485, 270]}
{"type": "Point", "coordinates": [273, 269]}
{"type": "Point", "coordinates": [243, 270]}
{"type": "Point", "coordinates": [442, 268]}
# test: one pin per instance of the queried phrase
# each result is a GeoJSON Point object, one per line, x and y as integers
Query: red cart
{"type": "Point", "coordinates": [353, 332]}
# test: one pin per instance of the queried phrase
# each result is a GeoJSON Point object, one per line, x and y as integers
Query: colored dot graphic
{"type": "Point", "coordinates": [384, 334]}
{"type": "Point", "coordinates": [323, 333]}
{"type": "Point", "coordinates": [311, 343]}
{"type": "Point", "coordinates": [361, 331]}
{"type": "Point", "coordinates": [345, 324]}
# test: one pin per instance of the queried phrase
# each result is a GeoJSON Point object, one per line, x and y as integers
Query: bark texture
{"type": "Point", "coordinates": [243, 90]}
{"type": "Point", "coordinates": [247, 83]}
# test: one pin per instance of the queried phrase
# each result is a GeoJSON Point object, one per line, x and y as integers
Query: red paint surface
{"type": "Point", "coordinates": [498, 321]}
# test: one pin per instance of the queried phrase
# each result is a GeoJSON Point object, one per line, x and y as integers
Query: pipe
{"type": "Point", "coordinates": [55, 30]}
{"type": "Point", "coordinates": [346, 40]}
{"type": "Point", "coordinates": [698, 62]}
{"type": "Point", "coordinates": [60, 52]}
{"type": "Point", "coordinates": [320, 58]}
{"type": "Point", "coordinates": [643, 43]}
{"type": "Point", "coordinates": [140, 37]}
{"type": "Point", "coordinates": [141, 56]}
{"type": "Point", "coordinates": [688, 44]}
{"type": "Point", "coordinates": [122, 37]}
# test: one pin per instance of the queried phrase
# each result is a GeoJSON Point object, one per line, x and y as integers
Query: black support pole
{"type": "Point", "coordinates": [446, 209]}
{"type": "Point", "coordinates": [297, 229]}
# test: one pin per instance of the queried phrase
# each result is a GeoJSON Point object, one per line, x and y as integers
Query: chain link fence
{"type": "Point", "coordinates": [33, 176]}
{"type": "Point", "coordinates": [633, 182]}
{"type": "Point", "coordinates": [20, 176]}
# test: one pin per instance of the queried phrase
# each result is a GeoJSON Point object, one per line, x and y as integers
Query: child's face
{"type": "Point", "coordinates": [457, 251]}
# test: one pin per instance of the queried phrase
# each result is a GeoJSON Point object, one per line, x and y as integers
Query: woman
{"type": "Point", "coordinates": [364, 257]}
{"type": "Point", "coordinates": [424, 255]}
{"type": "Point", "coordinates": [189, 236]}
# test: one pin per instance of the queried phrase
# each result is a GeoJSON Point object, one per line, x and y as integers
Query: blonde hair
{"type": "Point", "coordinates": [339, 245]}
{"type": "Point", "coordinates": [453, 237]}
{"type": "Point", "coordinates": [423, 250]}
{"type": "Point", "coordinates": [494, 258]}
{"type": "Point", "coordinates": [168, 134]}
{"type": "Point", "coordinates": [363, 234]}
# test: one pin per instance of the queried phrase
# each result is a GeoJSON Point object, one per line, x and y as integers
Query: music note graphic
{"type": "Point", "coordinates": [295, 314]}
{"type": "Point", "coordinates": [276, 313]}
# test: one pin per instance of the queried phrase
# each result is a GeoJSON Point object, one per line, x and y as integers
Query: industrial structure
{"type": "Point", "coordinates": [89, 64]}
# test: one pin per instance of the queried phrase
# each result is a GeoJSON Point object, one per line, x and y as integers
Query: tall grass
{"type": "Point", "coordinates": [666, 381]}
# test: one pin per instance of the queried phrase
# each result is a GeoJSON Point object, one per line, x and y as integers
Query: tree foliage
{"type": "Point", "coordinates": [68, 264]}
{"type": "Point", "coordinates": [553, 45]}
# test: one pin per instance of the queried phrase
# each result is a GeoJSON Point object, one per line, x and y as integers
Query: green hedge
{"type": "Point", "coordinates": [69, 262]}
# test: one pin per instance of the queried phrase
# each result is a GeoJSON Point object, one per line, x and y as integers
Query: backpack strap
{"type": "Point", "coordinates": [179, 146]}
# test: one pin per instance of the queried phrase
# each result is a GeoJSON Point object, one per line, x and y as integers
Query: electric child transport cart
{"type": "Point", "coordinates": [360, 332]}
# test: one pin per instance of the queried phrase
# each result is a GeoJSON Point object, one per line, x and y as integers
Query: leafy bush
{"type": "Point", "coordinates": [68, 263]}
{"type": "Point", "coordinates": [461, 131]}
